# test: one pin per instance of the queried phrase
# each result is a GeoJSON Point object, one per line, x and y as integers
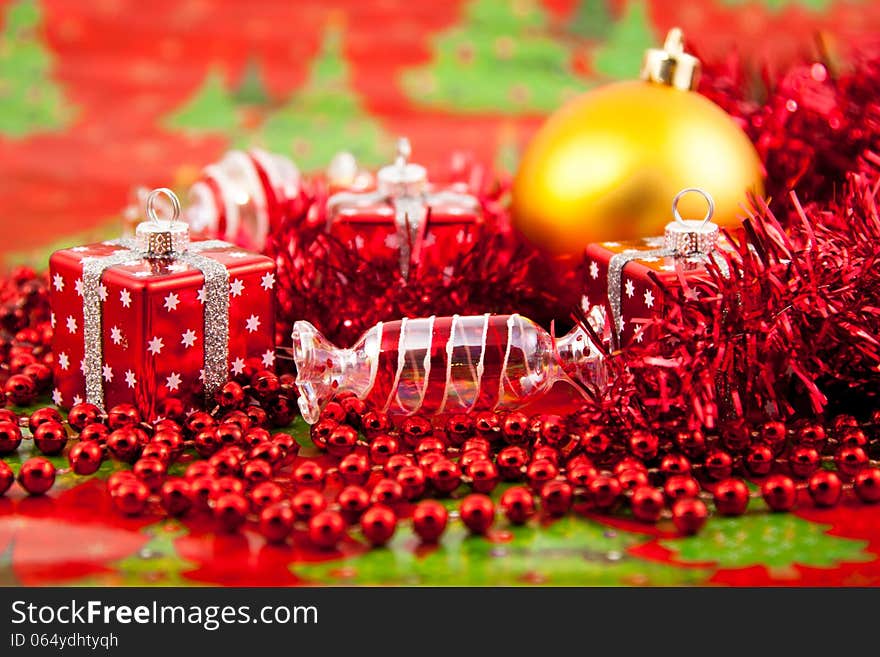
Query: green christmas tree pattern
{"type": "Point", "coordinates": [325, 116]}
{"type": "Point", "coordinates": [32, 102]}
{"type": "Point", "coordinates": [568, 551]}
{"type": "Point", "coordinates": [500, 59]}
{"type": "Point", "coordinates": [620, 56]}
{"type": "Point", "coordinates": [210, 109]}
{"type": "Point", "coordinates": [591, 19]}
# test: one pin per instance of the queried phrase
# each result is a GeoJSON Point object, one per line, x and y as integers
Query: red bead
{"type": "Point", "coordinates": [375, 423]}
{"type": "Point", "coordinates": [556, 497]}
{"type": "Point", "coordinates": [42, 416]}
{"type": "Point", "coordinates": [325, 529]}
{"type": "Point", "coordinates": [20, 389]}
{"type": "Point", "coordinates": [157, 451]}
{"type": "Point", "coordinates": [266, 493]}
{"type": "Point", "coordinates": [866, 485]}
{"type": "Point", "coordinates": [378, 524]}
{"type": "Point", "coordinates": [36, 475]}
{"type": "Point", "coordinates": [123, 415]}
{"type": "Point", "coordinates": [540, 472]}
{"type": "Point", "coordinates": [320, 432]}
{"type": "Point", "coordinates": [354, 469]}
{"type": "Point", "coordinates": [226, 463]}
{"type": "Point", "coordinates": [171, 408]}
{"type": "Point", "coordinates": [853, 437]}
{"type": "Point", "coordinates": [773, 434]}
{"type": "Point", "coordinates": [511, 461]}
{"type": "Point", "coordinates": [675, 464]}
{"type": "Point", "coordinates": [197, 469]}
{"type": "Point", "coordinates": [647, 503]}
{"type": "Point", "coordinates": [130, 497]}
{"type": "Point", "coordinates": [238, 418]}
{"type": "Point", "coordinates": [6, 477]}
{"type": "Point", "coordinates": [82, 414]}
{"type": "Point", "coordinates": [429, 520]}
{"type": "Point", "coordinates": [286, 443]}
{"type": "Point", "coordinates": [307, 503]}
{"type": "Point", "coordinates": [342, 440]}
{"type": "Point", "coordinates": [689, 515]}
{"type": "Point", "coordinates": [444, 476]}
{"type": "Point", "coordinates": [256, 435]}
{"type": "Point", "coordinates": [484, 476]}
{"type": "Point", "coordinates": [353, 501]}
{"type": "Point", "coordinates": [515, 428]}
{"type": "Point", "coordinates": [632, 479]}
{"type": "Point", "coordinates": [594, 441]}
{"type": "Point", "coordinates": [230, 511]}
{"type": "Point", "coordinates": [226, 485]}
{"type": "Point", "coordinates": [10, 437]}
{"type": "Point", "coordinates": [414, 428]}
{"type": "Point", "coordinates": [804, 461]}
{"type": "Point", "coordinates": [387, 491]}
{"type": "Point", "coordinates": [85, 457]}
{"type": "Point", "coordinates": [643, 445]}
{"type": "Point", "coordinates": [354, 409]}
{"type": "Point", "coordinates": [124, 444]}
{"type": "Point", "coordinates": [843, 422]}
{"type": "Point", "coordinates": [759, 460]}
{"type": "Point", "coordinates": [692, 443]}
{"type": "Point", "coordinates": [394, 464]}
{"type": "Point", "coordinates": [735, 435]}
{"type": "Point", "coordinates": [333, 412]}
{"type": "Point", "coordinates": [412, 482]}
{"type": "Point", "coordinates": [719, 465]}
{"type": "Point", "coordinates": [517, 504]}
{"type": "Point", "coordinates": [477, 443]}
{"type": "Point", "coordinates": [825, 488]}
{"type": "Point", "coordinates": [604, 491]}
{"type": "Point", "coordinates": [7, 415]}
{"type": "Point", "coordinates": [779, 492]}
{"type": "Point", "coordinates": [276, 522]}
{"type": "Point", "coordinates": [176, 496]}
{"type": "Point", "coordinates": [430, 445]}
{"type": "Point", "coordinates": [230, 395]}
{"type": "Point", "coordinates": [50, 438]}
{"type": "Point", "coordinates": [256, 472]}
{"type": "Point", "coordinates": [546, 453]}
{"type": "Point", "coordinates": [850, 460]}
{"type": "Point", "coordinates": [117, 478]}
{"type": "Point", "coordinates": [459, 427]}
{"type": "Point", "coordinates": [265, 384]}
{"type": "Point", "coordinates": [204, 489]}
{"type": "Point", "coordinates": [382, 448]}
{"type": "Point", "coordinates": [228, 434]}
{"type": "Point", "coordinates": [487, 424]}
{"type": "Point", "coordinates": [629, 463]}
{"type": "Point", "coordinates": [553, 430]}
{"type": "Point", "coordinates": [308, 474]}
{"type": "Point", "coordinates": [731, 497]}
{"type": "Point", "coordinates": [809, 434]}
{"type": "Point", "coordinates": [40, 374]}
{"type": "Point", "coordinates": [198, 421]}
{"type": "Point", "coordinates": [258, 417]}
{"type": "Point", "coordinates": [477, 512]}
{"type": "Point", "coordinates": [206, 442]}
{"type": "Point", "coordinates": [681, 486]}
{"type": "Point", "coordinates": [581, 475]}
{"type": "Point", "coordinates": [95, 431]}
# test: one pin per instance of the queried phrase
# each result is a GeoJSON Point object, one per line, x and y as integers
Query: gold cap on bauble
{"type": "Point", "coordinates": [671, 65]}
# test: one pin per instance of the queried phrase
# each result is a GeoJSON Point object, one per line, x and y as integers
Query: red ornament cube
{"type": "Point", "coordinates": [153, 320]}
{"type": "Point", "coordinates": [640, 297]}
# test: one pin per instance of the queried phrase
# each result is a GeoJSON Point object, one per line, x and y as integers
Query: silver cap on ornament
{"type": "Point", "coordinates": [162, 238]}
{"type": "Point", "coordinates": [688, 237]}
{"type": "Point", "coordinates": [402, 178]}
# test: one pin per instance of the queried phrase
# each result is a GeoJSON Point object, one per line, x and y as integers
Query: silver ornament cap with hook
{"type": "Point", "coordinates": [162, 238]}
{"type": "Point", "coordinates": [403, 178]}
{"type": "Point", "coordinates": [692, 236]}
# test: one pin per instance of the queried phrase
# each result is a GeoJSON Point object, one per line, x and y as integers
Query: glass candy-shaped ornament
{"type": "Point", "coordinates": [405, 216]}
{"type": "Point", "coordinates": [242, 197]}
{"type": "Point", "coordinates": [442, 364]}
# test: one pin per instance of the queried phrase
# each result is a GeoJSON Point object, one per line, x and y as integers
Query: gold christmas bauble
{"type": "Point", "coordinates": [607, 165]}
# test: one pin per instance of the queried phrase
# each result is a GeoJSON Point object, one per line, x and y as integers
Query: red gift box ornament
{"type": "Point", "coordinates": [442, 364]}
{"type": "Point", "coordinates": [157, 316]}
{"type": "Point", "coordinates": [619, 272]}
{"type": "Point", "coordinates": [404, 215]}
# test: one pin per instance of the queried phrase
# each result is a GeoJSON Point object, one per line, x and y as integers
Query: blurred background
{"type": "Point", "coordinates": [98, 96]}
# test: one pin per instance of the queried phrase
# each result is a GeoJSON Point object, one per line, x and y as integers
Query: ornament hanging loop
{"type": "Point", "coordinates": [710, 205]}
{"type": "Point", "coordinates": [162, 239]}
{"type": "Point", "coordinates": [692, 236]}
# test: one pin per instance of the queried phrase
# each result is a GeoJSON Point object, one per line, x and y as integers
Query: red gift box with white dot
{"type": "Point", "coordinates": [153, 324]}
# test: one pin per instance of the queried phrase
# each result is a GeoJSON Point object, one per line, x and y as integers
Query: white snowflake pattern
{"type": "Point", "coordinates": [237, 366]}
{"type": "Point", "coordinates": [82, 366]}
{"type": "Point", "coordinates": [78, 286]}
{"type": "Point", "coordinates": [125, 297]}
{"type": "Point", "coordinates": [52, 320]}
{"type": "Point", "coordinates": [649, 299]}
{"type": "Point", "coordinates": [77, 400]}
{"type": "Point", "coordinates": [236, 287]}
{"type": "Point", "coordinates": [57, 397]}
{"type": "Point", "coordinates": [79, 249]}
{"type": "Point", "coordinates": [630, 289]}
{"type": "Point", "coordinates": [252, 323]}
{"type": "Point", "coordinates": [594, 270]}
{"type": "Point", "coordinates": [268, 358]}
{"type": "Point", "coordinates": [359, 242]}
{"type": "Point", "coordinates": [188, 338]}
{"type": "Point", "coordinates": [200, 295]}
{"type": "Point", "coordinates": [640, 335]}
{"type": "Point", "coordinates": [63, 361]}
{"type": "Point", "coordinates": [108, 373]}
{"type": "Point", "coordinates": [392, 241]}
{"type": "Point", "coordinates": [238, 254]}
{"type": "Point", "coordinates": [130, 379]}
{"type": "Point", "coordinates": [71, 324]}
{"type": "Point", "coordinates": [58, 282]}
{"type": "Point", "coordinates": [171, 302]}
{"type": "Point", "coordinates": [141, 274]}
{"type": "Point", "coordinates": [155, 345]}
{"type": "Point", "coordinates": [268, 281]}
{"type": "Point", "coordinates": [116, 335]}
{"type": "Point", "coordinates": [102, 292]}
{"type": "Point", "coordinates": [178, 267]}
{"type": "Point", "coordinates": [173, 382]}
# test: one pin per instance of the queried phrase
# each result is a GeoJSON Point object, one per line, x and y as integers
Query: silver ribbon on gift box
{"type": "Point", "coordinates": [159, 240]}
